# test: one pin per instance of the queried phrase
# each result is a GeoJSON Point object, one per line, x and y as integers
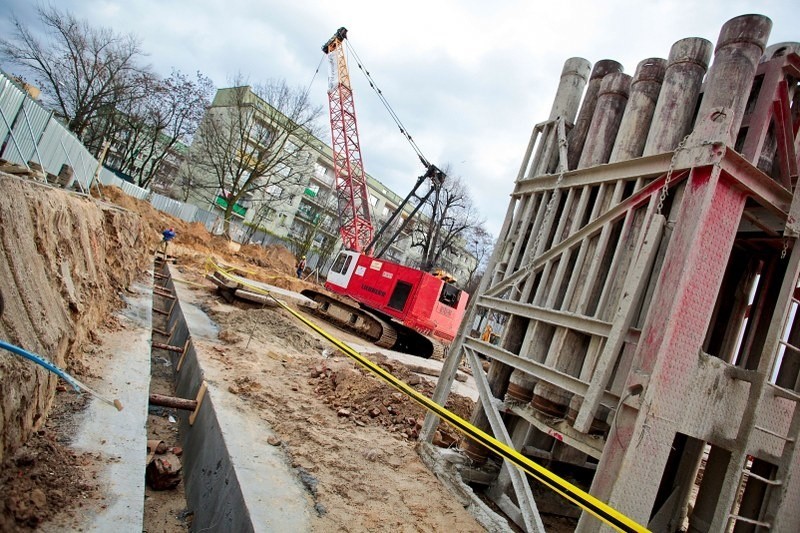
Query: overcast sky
{"type": "Point", "coordinates": [469, 79]}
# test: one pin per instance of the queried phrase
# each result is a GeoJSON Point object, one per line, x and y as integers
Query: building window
{"type": "Point", "coordinates": [308, 212]}
{"type": "Point", "coordinates": [319, 171]}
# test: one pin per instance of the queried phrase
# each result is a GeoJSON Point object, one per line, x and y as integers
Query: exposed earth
{"type": "Point", "coordinates": [349, 436]}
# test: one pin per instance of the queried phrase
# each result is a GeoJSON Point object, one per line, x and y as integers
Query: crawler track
{"type": "Point", "coordinates": [351, 317]}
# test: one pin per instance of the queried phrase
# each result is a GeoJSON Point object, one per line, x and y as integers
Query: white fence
{"type": "Point", "coordinates": [30, 133]}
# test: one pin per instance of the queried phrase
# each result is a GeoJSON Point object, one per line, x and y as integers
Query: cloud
{"type": "Point", "coordinates": [469, 79]}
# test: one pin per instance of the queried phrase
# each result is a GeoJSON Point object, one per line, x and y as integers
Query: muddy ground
{"type": "Point", "coordinates": [349, 437]}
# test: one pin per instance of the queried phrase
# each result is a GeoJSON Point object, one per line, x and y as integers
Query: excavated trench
{"type": "Point", "coordinates": [165, 506]}
{"type": "Point", "coordinates": [207, 480]}
{"type": "Point", "coordinates": [229, 481]}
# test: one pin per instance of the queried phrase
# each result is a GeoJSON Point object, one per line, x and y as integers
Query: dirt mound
{"type": "Point", "coordinates": [152, 220]}
{"type": "Point", "coordinates": [261, 324]}
{"type": "Point", "coordinates": [194, 243]}
{"type": "Point", "coordinates": [273, 257]}
{"type": "Point", "coordinates": [63, 263]}
{"type": "Point", "coordinates": [359, 396]}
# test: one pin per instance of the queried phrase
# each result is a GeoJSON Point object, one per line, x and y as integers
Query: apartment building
{"type": "Point", "coordinates": [300, 208]}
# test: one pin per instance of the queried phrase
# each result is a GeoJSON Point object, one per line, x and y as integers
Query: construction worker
{"type": "Point", "coordinates": [167, 235]}
{"type": "Point", "coordinates": [301, 266]}
{"type": "Point", "coordinates": [487, 334]}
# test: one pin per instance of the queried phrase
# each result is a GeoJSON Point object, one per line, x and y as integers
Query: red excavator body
{"type": "Point", "coordinates": [417, 299]}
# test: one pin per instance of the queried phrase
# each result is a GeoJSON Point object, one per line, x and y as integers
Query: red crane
{"type": "Point", "coordinates": [393, 305]}
{"type": "Point", "coordinates": [350, 179]}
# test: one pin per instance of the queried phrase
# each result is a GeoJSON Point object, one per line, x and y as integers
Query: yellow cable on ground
{"type": "Point", "coordinates": [190, 283]}
{"type": "Point", "coordinates": [579, 497]}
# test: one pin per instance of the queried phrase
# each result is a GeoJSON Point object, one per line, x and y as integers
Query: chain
{"type": "Point", "coordinates": [547, 210]}
{"type": "Point", "coordinates": [562, 143]}
{"type": "Point", "coordinates": [551, 202]}
{"type": "Point", "coordinates": [785, 247]}
{"type": "Point", "coordinates": [668, 178]}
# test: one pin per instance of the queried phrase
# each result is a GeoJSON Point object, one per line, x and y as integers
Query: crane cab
{"type": "Point", "coordinates": [342, 270]}
{"type": "Point", "coordinates": [417, 299]}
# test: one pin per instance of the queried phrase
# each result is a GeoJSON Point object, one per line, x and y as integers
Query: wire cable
{"type": "Point", "coordinates": [388, 107]}
{"type": "Point", "coordinates": [308, 88]}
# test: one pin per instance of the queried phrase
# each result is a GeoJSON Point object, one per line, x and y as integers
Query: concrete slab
{"type": "Point", "coordinates": [120, 437]}
{"type": "Point", "coordinates": [267, 488]}
{"type": "Point", "coordinates": [276, 291]}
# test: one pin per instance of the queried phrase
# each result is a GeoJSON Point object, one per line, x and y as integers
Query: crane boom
{"type": "Point", "coordinates": [392, 305]}
{"type": "Point", "coordinates": [351, 182]}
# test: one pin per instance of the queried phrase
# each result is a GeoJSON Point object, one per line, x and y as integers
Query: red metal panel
{"type": "Point", "coordinates": [374, 281]}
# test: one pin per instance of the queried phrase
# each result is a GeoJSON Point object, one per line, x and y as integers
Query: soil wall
{"type": "Point", "coordinates": [64, 260]}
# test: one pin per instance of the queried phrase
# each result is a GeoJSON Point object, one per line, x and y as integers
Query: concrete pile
{"type": "Point", "coordinates": [638, 227]}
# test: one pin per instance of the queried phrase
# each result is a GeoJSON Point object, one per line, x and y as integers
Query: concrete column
{"type": "Point", "coordinates": [565, 104]}
{"type": "Point", "coordinates": [534, 347]}
{"type": "Point", "coordinates": [611, 101]}
{"type": "Point", "coordinates": [574, 76]}
{"type": "Point", "coordinates": [741, 43]}
{"type": "Point", "coordinates": [645, 88]}
{"type": "Point", "coordinates": [674, 113]}
{"type": "Point", "coordinates": [573, 80]}
{"type": "Point", "coordinates": [577, 136]}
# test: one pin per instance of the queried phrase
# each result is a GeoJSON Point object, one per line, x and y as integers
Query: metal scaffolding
{"type": "Point", "coordinates": [645, 288]}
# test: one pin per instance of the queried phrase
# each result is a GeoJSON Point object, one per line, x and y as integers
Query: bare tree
{"type": "Point", "coordinates": [187, 180]}
{"type": "Point", "coordinates": [80, 69]}
{"type": "Point", "coordinates": [252, 141]}
{"type": "Point", "coordinates": [148, 130]}
{"type": "Point", "coordinates": [451, 214]}
{"type": "Point", "coordinates": [479, 244]}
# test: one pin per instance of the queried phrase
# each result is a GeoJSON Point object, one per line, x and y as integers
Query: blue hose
{"type": "Point", "coordinates": [41, 361]}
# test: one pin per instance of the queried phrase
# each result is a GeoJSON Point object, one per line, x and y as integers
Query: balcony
{"type": "Point", "coordinates": [238, 210]}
